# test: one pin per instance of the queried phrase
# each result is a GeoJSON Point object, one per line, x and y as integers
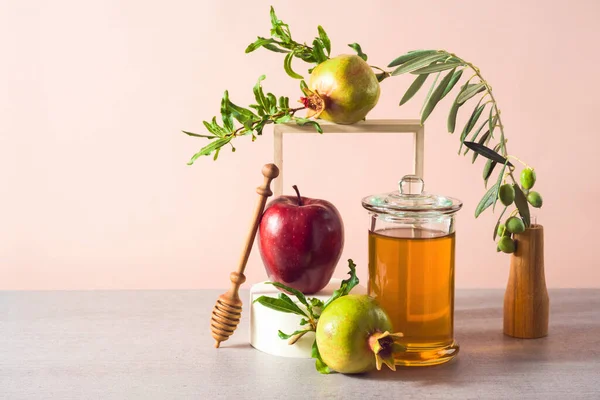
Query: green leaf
{"type": "Point", "coordinates": [279, 29]}
{"type": "Point", "coordinates": [242, 115]}
{"type": "Point", "coordinates": [212, 146]}
{"type": "Point", "coordinates": [279, 305]}
{"type": "Point", "coordinates": [259, 95]}
{"type": "Point", "coordinates": [324, 39]}
{"type": "Point", "coordinates": [484, 139]}
{"type": "Point", "coordinates": [272, 103]}
{"type": "Point", "coordinates": [275, 48]}
{"type": "Point", "coordinates": [437, 68]}
{"type": "Point", "coordinates": [411, 55]}
{"type": "Point", "coordinates": [318, 51]}
{"type": "Point", "coordinates": [284, 119]}
{"type": "Point", "coordinates": [291, 303]}
{"type": "Point", "coordinates": [257, 44]}
{"type": "Point", "coordinates": [492, 121]}
{"type": "Point", "coordinates": [488, 169]}
{"type": "Point", "coordinates": [454, 111]}
{"type": "Point", "coordinates": [470, 124]}
{"type": "Point", "coordinates": [226, 112]}
{"type": "Point", "coordinates": [498, 222]}
{"type": "Point", "coordinates": [419, 62]}
{"type": "Point", "coordinates": [436, 96]}
{"type": "Point", "coordinates": [199, 135]}
{"type": "Point", "coordinates": [304, 88]}
{"type": "Point", "coordinates": [319, 364]}
{"type": "Point", "coordinates": [217, 154]}
{"type": "Point", "coordinates": [306, 121]}
{"type": "Point", "coordinates": [476, 135]}
{"type": "Point", "coordinates": [346, 286]}
{"type": "Point", "coordinates": [316, 302]}
{"type": "Point", "coordinates": [285, 336]}
{"type": "Point", "coordinates": [358, 50]}
{"type": "Point", "coordinates": [414, 88]}
{"type": "Point", "coordinates": [287, 66]}
{"type": "Point", "coordinates": [487, 153]}
{"type": "Point", "coordinates": [299, 295]}
{"type": "Point", "coordinates": [499, 183]}
{"type": "Point", "coordinates": [303, 321]}
{"type": "Point", "coordinates": [470, 91]}
{"type": "Point", "coordinates": [487, 200]}
{"type": "Point", "coordinates": [522, 205]}
{"type": "Point", "coordinates": [453, 81]}
{"type": "Point", "coordinates": [430, 92]}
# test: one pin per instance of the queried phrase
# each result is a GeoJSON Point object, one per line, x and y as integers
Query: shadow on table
{"type": "Point", "coordinates": [486, 351]}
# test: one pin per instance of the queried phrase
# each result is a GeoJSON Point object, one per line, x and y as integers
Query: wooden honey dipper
{"type": "Point", "coordinates": [228, 310]}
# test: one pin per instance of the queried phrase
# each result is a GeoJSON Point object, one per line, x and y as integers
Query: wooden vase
{"type": "Point", "coordinates": [526, 302]}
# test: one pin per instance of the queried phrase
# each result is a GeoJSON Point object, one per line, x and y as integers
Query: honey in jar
{"type": "Point", "coordinates": [411, 269]}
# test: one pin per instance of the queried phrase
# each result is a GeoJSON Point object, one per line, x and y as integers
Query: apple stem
{"type": "Point", "coordinates": [298, 194]}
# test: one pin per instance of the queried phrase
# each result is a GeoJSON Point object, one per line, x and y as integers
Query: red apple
{"type": "Point", "coordinates": [301, 241]}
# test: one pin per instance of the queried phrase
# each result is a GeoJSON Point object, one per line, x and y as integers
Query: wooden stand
{"type": "Point", "coordinates": [526, 302]}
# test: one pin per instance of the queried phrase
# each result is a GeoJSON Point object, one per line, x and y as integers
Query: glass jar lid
{"type": "Point", "coordinates": [411, 199]}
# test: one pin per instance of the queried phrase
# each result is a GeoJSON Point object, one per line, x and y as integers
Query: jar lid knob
{"type": "Point", "coordinates": [411, 185]}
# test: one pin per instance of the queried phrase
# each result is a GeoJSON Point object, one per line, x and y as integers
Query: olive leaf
{"type": "Point", "coordinates": [419, 62]}
{"type": "Point", "coordinates": [470, 91]}
{"type": "Point", "coordinates": [488, 169]}
{"type": "Point", "coordinates": [475, 135]}
{"type": "Point", "coordinates": [452, 83]}
{"type": "Point", "coordinates": [498, 222]}
{"type": "Point", "coordinates": [358, 50]}
{"type": "Point", "coordinates": [430, 92]}
{"type": "Point", "coordinates": [487, 152]}
{"type": "Point", "coordinates": [413, 88]}
{"type": "Point", "coordinates": [470, 124]}
{"type": "Point", "coordinates": [436, 96]}
{"type": "Point", "coordinates": [499, 183]}
{"type": "Point", "coordinates": [522, 205]}
{"type": "Point", "coordinates": [487, 200]}
{"type": "Point", "coordinates": [411, 55]}
{"type": "Point", "coordinates": [483, 141]}
{"type": "Point", "coordinates": [454, 111]}
{"type": "Point", "coordinates": [437, 68]}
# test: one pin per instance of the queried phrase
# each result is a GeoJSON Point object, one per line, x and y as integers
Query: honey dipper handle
{"type": "Point", "coordinates": [270, 172]}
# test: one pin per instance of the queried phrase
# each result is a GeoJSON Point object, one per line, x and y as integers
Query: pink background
{"type": "Point", "coordinates": [96, 192]}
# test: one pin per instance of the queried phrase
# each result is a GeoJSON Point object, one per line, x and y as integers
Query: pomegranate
{"type": "Point", "coordinates": [342, 89]}
{"type": "Point", "coordinates": [353, 335]}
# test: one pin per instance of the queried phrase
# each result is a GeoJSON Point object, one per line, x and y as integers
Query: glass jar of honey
{"type": "Point", "coordinates": [411, 268]}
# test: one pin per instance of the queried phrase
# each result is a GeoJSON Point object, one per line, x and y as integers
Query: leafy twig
{"type": "Point", "coordinates": [314, 308]}
{"type": "Point", "coordinates": [267, 110]}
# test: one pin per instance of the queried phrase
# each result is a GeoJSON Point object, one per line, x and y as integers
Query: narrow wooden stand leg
{"type": "Point", "coordinates": [526, 302]}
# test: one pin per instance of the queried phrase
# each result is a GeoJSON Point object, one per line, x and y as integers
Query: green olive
{"type": "Point", "coordinates": [527, 178]}
{"type": "Point", "coordinates": [535, 199]}
{"type": "Point", "coordinates": [506, 194]}
{"type": "Point", "coordinates": [502, 231]}
{"type": "Point", "coordinates": [515, 225]}
{"type": "Point", "coordinates": [506, 244]}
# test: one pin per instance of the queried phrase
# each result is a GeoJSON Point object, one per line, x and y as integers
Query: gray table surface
{"type": "Point", "coordinates": [157, 345]}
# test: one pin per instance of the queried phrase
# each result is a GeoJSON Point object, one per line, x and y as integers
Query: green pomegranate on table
{"type": "Point", "coordinates": [344, 88]}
